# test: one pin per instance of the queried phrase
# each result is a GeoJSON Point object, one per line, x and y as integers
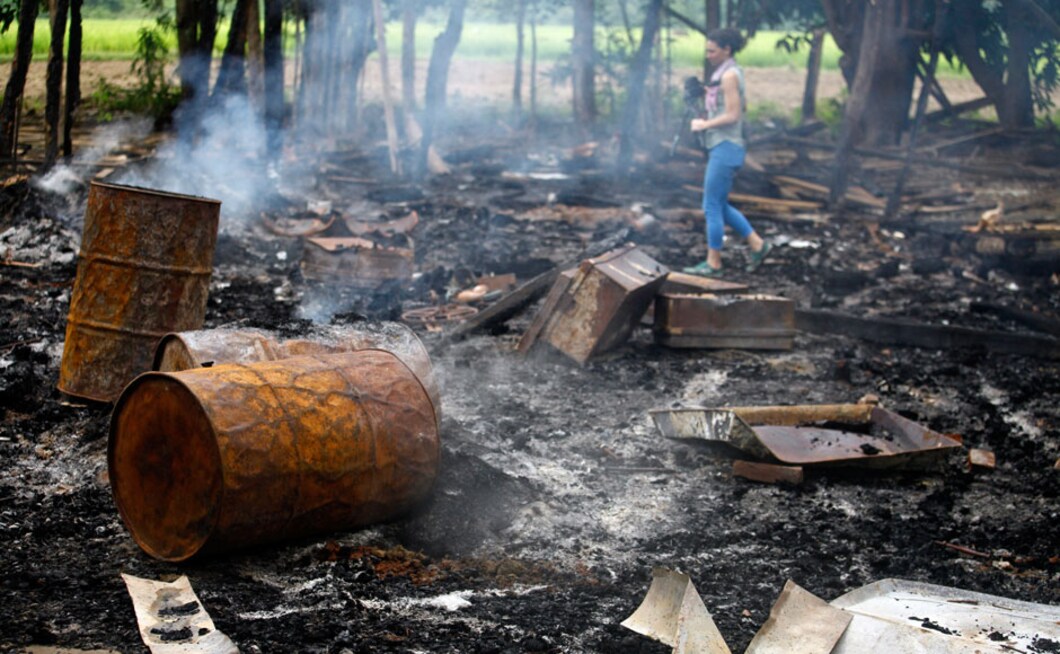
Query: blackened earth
{"type": "Point", "coordinates": [556, 495]}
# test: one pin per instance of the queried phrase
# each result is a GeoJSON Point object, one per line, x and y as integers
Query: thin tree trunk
{"type": "Point", "coordinates": [583, 53]}
{"type": "Point", "coordinates": [59, 9]}
{"type": "Point", "coordinates": [408, 55]}
{"type": "Point", "coordinates": [73, 77]}
{"type": "Point", "coordinates": [635, 89]}
{"type": "Point", "coordinates": [438, 78]}
{"type": "Point", "coordinates": [712, 9]}
{"type": "Point", "coordinates": [533, 61]}
{"type": "Point", "coordinates": [273, 52]}
{"type": "Point", "coordinates": [232, 76]}
{"type": "Point", "coordinates": [16, 83]}
{"type": "Point", "coordinates": [813, 75]}
{"type": "Point", "coordinates": [255, 55]}
{"type": "Point", "coordinates": [384, 75]}
{"type": "Point", "coordinates": [520, 46]}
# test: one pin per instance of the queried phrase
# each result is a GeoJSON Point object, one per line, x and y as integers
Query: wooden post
{"type": "Point", "coordinates": [274, 77]}
{"type": "Point", "coordinates": [408, 55]}
{"type": "Point", "coordinates": [894, 201]}
{"type": "Point", "coordinates": [384, 76]}
{"type": "Point", "coordinates": [520, 38]}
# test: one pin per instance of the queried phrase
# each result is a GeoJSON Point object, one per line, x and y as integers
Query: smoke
{"type": "Point", "coordinates": [63, 179]}
{"type": "Point", "coordinates": [225, 159]}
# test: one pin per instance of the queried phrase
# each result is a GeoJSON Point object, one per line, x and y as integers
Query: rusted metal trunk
{"type": "Point", "coordinates": [754, 322]}
{"type": "Point", "coordinates": [355, 262]}
{"type": "Point", "coordinates": [214, 459]}
{"type": "Point", "coordinates": [593, 309]}
{"type": "Point", "coordinates": [144, 271]}
{"type": "Point", "coordinates": [210, 347]}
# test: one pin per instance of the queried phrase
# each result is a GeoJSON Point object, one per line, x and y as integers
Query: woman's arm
{"type": "Point", "coordinates": [730, 85]}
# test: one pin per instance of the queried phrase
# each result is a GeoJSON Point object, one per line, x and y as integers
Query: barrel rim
{"type": "Point", "coordinates": [152, 191]}
{"type": "Point", "coordinates": [215, 451]}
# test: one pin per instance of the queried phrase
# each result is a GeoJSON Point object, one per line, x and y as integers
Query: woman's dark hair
{"type": "Point", "coordinates": [728, 37]}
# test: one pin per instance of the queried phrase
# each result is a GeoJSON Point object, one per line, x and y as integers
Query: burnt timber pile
{"type": "Point", "coordinates": [556, 492]}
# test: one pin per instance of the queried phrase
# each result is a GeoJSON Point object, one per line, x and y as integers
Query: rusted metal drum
{"type": "Point", "coordinates": [144, 271]}
{"type": "Point", "coordinates": [209, 347]}
{"type": "Point", "coordinates": [235, 455]}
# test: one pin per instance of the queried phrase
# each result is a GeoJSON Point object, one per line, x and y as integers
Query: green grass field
{"type": "Point", "coordinates": [115, 39]}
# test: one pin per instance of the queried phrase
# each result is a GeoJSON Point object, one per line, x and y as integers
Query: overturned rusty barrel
{"type": "Point", "coordinates": [209, 347]}
{"type": "Point", "coordinates": [218, 458]}
{"type": "Point", "coordinates": [143, 271]}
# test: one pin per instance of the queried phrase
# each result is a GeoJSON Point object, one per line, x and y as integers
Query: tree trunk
{"type": "Point", "coordinates": [73, 77]}
{"type": "Point", "coordinates": [196, 31]}
{"type": "Point", "coordinates": [520, 47]}
{"type": "Point", "coordinates": [54, 83]}
{"type": "Point", "coordinates": [638, 73]}
{"type": "Point", "coordinates": [1016, 110]}
{"type": "Point", "coordinates": [886, 72]}
{"type": "Point", "coordinates": [255, 55]}
{"type": "Point", "coordinates": [813, 76]}
{"type": "Point", "coordinates": [408, 55]}
{"type": "Point", "coordinates": [232, 76]}
{"type": "Point", "coordinates": [713, 15]}
{"type": "Point", "coordinates": [583, 54]}
{"type": "Point", "coordinates": [273, 51]}
{"type": "Point", "coordinates": [16, 83]}
{"type": "Point", "coordinates": [845, 23]}
{"type": "Point", "coordinates": [438, 78]}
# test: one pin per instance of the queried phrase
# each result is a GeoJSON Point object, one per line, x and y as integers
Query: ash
{"type": "Point", "coordinates": [556, 495]}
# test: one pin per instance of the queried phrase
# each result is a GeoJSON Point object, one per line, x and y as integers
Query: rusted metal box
{"type": "Point", "coordinates": [355, 262]}
{"type": "Point", "coordinates": [753, 322]}
{"type": "Point", "coordinates": [144, 270]}
{"type": "Point", "coordinates": [594, 308]}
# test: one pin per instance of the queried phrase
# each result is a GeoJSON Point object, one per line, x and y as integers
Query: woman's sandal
{"type": "Point", "coordinates": [703, 269]}
{"type": "Point", "coordinates": [757, 258]}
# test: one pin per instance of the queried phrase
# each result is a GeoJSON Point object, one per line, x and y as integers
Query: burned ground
{"type": "Point", "coordinates": [556, 495]}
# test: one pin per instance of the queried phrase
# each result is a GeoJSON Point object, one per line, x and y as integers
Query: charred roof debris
{"type": "Point", "coordinates": [278, 436]}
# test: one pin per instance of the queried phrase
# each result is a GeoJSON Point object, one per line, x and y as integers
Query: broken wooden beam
{"type": "Point", "coordinates": [1032, 319]}
{"type": "Point", "coordinates": [767, 473]}
{"type": "Point", "coordinates": [894, 331]}
{"type": "Point", "coordinates": [511, 304]}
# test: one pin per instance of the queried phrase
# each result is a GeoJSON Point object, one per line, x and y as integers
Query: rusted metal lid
{"type": "Point", "coordinates": [165, 467]}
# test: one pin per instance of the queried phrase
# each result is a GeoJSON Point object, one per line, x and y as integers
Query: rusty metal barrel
{"type": "Point", "coordinates": [219, 458]}
{"type": "Point", "coordinates": [143, 271]}
{"type": "Point", "coordinates": [209, 347]}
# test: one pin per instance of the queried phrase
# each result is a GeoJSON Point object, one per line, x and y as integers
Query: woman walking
{"type": "Point", "coordinates": [726, 102]}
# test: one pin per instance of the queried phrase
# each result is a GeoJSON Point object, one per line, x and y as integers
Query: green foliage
{"type": "Point", "coordinates": [8, 13]}
{"type": "Point", "coordinates": [153, 95]}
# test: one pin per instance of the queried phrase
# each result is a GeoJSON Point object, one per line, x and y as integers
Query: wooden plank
{"type": "Point", "coordinates": [893, 331]}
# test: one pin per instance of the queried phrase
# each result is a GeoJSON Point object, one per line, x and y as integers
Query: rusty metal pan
{"type": "Point", "coordinates": [882, 439]}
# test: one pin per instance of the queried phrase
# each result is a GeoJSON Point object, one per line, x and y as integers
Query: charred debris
{"type": "Point", "coordinates": [572, 412]}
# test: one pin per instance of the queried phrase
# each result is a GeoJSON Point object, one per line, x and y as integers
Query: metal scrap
{"type": "Point", "coordinates": [792, 435]}
{"type": "Point", "coordinates": [172, 620]}
{"type": "Point", "coordinates": [674, 614]}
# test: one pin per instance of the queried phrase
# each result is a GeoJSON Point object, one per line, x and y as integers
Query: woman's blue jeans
{"type": "Point", "coordinates": [725, 159]}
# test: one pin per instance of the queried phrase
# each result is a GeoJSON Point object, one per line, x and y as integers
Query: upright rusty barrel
{"type": "Point", "coordinates": [144, 271]}
{"type": "Point", "coordinates": [212, 459]}
{"type": "Point", "coordinates": [209, 347]}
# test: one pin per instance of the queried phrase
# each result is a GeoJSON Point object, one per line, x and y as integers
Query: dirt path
{"type": "Point", "coordinates": [475, 82]}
